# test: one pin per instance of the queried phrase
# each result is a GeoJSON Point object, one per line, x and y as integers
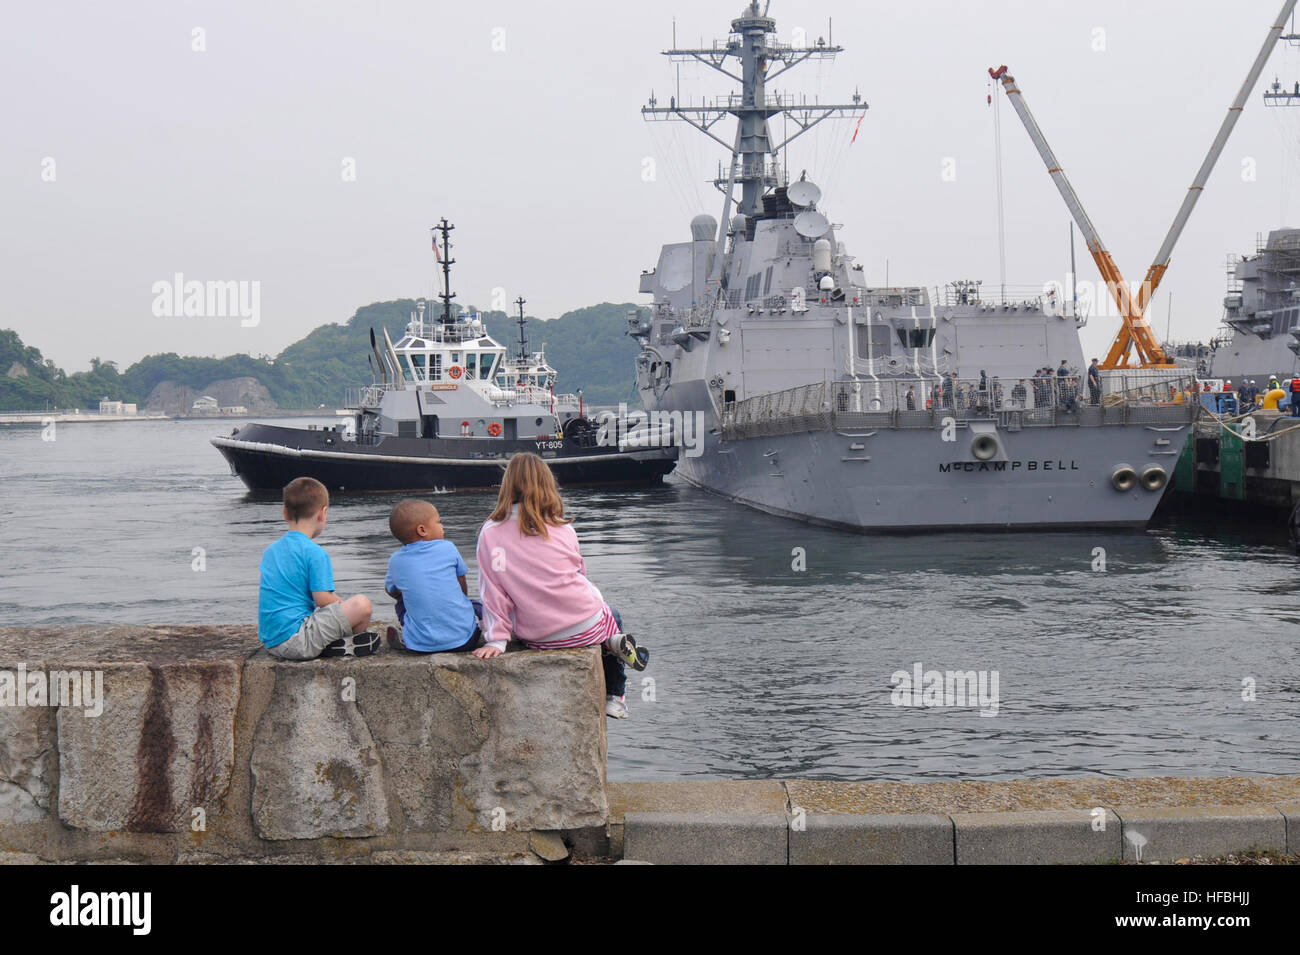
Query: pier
{"type": "Point", "coordinates": [1222, 461]}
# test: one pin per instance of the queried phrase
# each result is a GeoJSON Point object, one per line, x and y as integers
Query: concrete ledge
{"type": "Point", "coordinates": [705, 797]}
{"type": "Point", "coordinates": [1166, 835]}
{"type": "Point", "coordinates": [205, 747]}
{"type": "Point", "coordinates": [901, 839]}
{"type": "Point", "coordinates": [678, 838]}
{"type": "Point", "coordinates": [1049, 837]}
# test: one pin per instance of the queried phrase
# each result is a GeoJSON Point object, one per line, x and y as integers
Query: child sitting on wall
{"type": "Point", "coordinates": [534, 585]}
{"type": "Point", "coordinates": [299, 616]}
{"type": "Point", "coordinates": [434, 613]}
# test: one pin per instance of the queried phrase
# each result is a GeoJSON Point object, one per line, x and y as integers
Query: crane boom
{"type": "Point", "coordinates": [1100, 254]}
{"type": "Point", "coordinates": [1136, 331]}
{"type": "Point", "coordinates": [1161, 263]}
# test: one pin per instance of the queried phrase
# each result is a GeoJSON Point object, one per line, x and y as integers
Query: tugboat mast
{"type": "Point", "coordinates": [445, 258]}
{"type": "Point", "coordinates": [753, 43]}
{"type": "Point", "coordinates": [523, 342]}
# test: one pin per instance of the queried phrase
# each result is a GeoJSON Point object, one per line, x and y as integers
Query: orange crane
{"type": "Point", "coordinates": [1135, 333]}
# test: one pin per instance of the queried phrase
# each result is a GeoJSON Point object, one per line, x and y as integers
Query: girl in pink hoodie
{"type": "Point", "coordinates": [533, 581]}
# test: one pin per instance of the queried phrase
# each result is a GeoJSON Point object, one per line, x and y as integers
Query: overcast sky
{"type": "Point", "coordinates": [519, 121]}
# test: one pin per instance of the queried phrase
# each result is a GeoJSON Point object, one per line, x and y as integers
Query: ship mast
{"type": "Point", "coordinates": [761, 59]}
{"type": "Point", "coordinates": [523, 342]}
{"type": "Point", "coordinates": [445, 258]}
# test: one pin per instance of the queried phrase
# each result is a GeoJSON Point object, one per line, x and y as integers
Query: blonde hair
{"type": "Point", "coordinates": [528, 482]}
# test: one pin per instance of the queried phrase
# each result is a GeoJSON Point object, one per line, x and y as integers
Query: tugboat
{"type": "Point", "coordinates": [450, 408]}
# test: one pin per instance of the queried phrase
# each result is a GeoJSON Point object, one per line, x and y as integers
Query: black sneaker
{"type": "Point", "coordinates": [354, 645]}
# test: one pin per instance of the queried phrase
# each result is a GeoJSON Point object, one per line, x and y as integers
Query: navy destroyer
{"type": "Point", "coordinates": [869, 408]}
{"type": "Point", "coordinates": [448, 409]}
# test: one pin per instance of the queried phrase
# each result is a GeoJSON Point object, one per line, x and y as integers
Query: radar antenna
{"type": "Point", "coordinates": [523, 342]}
{"type": "Point", "coordinates": [761, 59]}
{"type": "Point", "coordinates": [445, 258]}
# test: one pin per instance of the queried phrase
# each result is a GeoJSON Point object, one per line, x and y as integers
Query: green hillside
{"type": "Point", "coordinates": [588, 347]}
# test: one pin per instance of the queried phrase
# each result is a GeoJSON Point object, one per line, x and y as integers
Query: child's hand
{"type": "Point", "coordinates": [487, 653]}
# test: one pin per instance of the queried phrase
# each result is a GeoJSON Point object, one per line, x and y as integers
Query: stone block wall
{"type": "Point", "coordinates": [160, 744]}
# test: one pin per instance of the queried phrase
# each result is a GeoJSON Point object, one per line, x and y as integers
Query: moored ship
{"type": "Point", "coordinates": [450, 408]}
{"type": "Point", "coordinates": [837, 403]}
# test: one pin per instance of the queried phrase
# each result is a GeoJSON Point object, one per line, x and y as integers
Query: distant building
{"type": "Point", "coordinates": [206, 405]}
{"type": "Point", "coordinates": [235, 410]}
{"type": "Point", "coordinates": [118, 408]}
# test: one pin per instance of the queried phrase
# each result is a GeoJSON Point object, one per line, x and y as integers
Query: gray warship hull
{"type": "Point", "coordinates": [868, 477]}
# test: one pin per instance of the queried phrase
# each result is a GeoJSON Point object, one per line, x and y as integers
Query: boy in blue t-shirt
{"type": "Point", "coordinates": [299, 615]}
{"type": "Point", "coordinates": [427, 579]}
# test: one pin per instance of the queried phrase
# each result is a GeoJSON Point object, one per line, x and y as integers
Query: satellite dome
{"type": "Point", "coordinates": [703, 227]}
{"type": "Point", "coordinates": [738, 223]}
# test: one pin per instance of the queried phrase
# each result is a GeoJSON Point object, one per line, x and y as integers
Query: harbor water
{"type": "Point", "coordinates": [776, 647]}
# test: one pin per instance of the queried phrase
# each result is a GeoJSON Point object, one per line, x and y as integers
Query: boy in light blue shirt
{"type": "Point", "coordinates": [299, 616]}
{"type": "Point", "coordinates": [426, 577]}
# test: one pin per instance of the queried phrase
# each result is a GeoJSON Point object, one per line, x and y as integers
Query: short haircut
{"type": "Point", "coordinates": [406, 516]}
{"type": "Point", "coordinates": [303, 497]}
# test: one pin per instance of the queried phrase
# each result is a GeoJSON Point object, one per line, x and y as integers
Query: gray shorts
{"type": "Point", "coordinates": [317, 632]}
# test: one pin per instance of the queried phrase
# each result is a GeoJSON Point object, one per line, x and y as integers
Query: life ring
{"type": "Point", "coordinates": [455, 371]}
{"type": "Point", "coordinates": [494, 429]}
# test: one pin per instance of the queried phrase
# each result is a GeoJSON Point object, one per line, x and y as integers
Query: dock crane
{"type": "Point", "coordinates": [1136, 330]}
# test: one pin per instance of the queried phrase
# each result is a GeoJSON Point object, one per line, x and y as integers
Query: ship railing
{"type": "Point", "coordinates": [934, 402]}
{"type": "Point", "coordinates": [363, 396]}
{"type": "Point", "coordinates": [1029, 297]}
{"type": "Point", "coordinates": [467, 328]}
{"type": "Point", "coordinates": [690, 316]}
{"type": "Point", "coordinates": [902, 297]}
{"type": "Point", "coordinates": [530, 395]}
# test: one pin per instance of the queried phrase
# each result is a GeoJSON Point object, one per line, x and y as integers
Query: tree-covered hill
{"type": "Point", "coordinates": [588, 347]}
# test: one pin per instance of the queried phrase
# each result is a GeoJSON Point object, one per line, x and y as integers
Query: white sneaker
{"type": "Point", "coordinates": [615, 707]}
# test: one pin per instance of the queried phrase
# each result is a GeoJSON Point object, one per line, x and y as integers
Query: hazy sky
{"type": "Point", "coordinates": [520, 122]}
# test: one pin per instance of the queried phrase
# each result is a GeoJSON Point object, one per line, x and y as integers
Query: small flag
{"type": "Point", "coordinates": [856, 128]}
{"type": "Point", "coordinates": [436, 254]}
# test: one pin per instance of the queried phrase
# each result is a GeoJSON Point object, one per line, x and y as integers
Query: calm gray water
{"type": "Point", "coordinates": [759, 670]}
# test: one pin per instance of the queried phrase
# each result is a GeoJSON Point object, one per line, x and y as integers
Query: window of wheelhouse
{"type": "Point", "coordinates": [435, 367]}
{"type": "Point", "coordinates": [915, 337]}
{"type": "Point", "coordinates": [471, 366]}
{"type": "Point", "coordinates": [419, 366]}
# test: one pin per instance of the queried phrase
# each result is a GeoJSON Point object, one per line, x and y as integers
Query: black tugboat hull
{"type": "Point", "coordinates": [266, 458]}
